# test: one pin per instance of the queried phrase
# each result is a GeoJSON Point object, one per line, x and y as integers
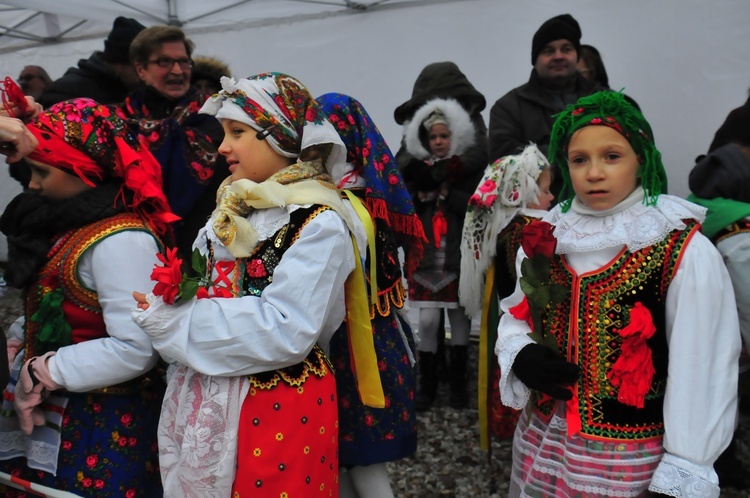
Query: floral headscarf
{"type": "Point", "coordinates": [182, 141]}
{"type": "Point", "coordinates": [508, 185]}
{"type": "Point", "coordinates": [610, 109]}
{"type": "Point", "coordinates": [281, 105]}
{"type": "Point", "coordinates": [385, 192]}
{"type": "Point", "coordinates": [90, 141]}
{"type": "Point", "coordinates": [291, 121]}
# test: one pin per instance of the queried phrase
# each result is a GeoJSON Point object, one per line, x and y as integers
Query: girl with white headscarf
{"type": "Point", "coordinates": [251, 407]}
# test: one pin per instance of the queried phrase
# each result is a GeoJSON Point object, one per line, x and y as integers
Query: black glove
{"type": "Point", "coordinates": [545, 371]}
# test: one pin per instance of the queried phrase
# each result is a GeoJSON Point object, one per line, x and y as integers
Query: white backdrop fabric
{"type": "Point", "coordinates": [686, 62]}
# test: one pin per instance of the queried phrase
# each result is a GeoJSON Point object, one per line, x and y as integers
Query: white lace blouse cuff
{"type": "Point", "coordinates": [676, 476]}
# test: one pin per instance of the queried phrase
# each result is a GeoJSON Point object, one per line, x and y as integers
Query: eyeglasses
{"type": "Point", "coordinates": [28, 77]}
{"type": "Point", "coordinates": [168, 62]}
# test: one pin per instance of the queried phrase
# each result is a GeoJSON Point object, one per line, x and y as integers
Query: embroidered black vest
{"type": "Point", "coordinates": [257, 273]}
{"type": "Point", "coordinates": [742, 226]}
{"type": "Point", "coordinates": [508, 243]}
{"type": "Point", "coordinates": [586, 331]}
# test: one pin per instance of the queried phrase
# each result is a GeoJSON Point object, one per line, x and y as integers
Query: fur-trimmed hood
{"type": "Point", "coordinates": [463, 133]}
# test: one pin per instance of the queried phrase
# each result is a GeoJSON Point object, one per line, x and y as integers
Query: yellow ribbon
{"type": "Point", "coordinates": [359, 326]}
{"type": "Point", "coordinates": [484, 371]}
{"type": "Point", "coordinates": [366, 219]}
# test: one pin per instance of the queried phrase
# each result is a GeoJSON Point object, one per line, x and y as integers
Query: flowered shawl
{"type": "Point", "coordinates": [386, 196]}
{"type": "Point", "coordinates": [92, 142]}
{"type": "Point", "coordinates": [508, 185]}
{"type": "Point", "coordinates": [178, 138]}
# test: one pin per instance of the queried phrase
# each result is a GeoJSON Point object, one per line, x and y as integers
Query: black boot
{"type": "Point", "coordinates": [459, 393]}
{"type": "Point", "coordinates": [427, 390]}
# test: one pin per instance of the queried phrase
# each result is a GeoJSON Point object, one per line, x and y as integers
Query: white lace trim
{"type": "Point", "coordinates": [198, 433]}
{"type": "Point", "coordinates": [636, 226]}
{"type": "Point", "coordinates": [677, 477]}
{"type": "Point", "coordinates": [513, 392]}
{"type": "Point", "coordinates": [271, 222]}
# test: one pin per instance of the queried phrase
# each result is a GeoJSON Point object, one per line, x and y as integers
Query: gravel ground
{"type": "Point", "coordinates": [448, 462]}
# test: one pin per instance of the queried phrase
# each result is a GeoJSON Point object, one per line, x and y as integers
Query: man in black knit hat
{"type": "Point", "coordinates": [525, 113]}
{"type": "Point", "coordinates": [106, 76]}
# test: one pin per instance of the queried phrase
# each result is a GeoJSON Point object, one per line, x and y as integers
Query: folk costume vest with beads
{"type": "Point", "coordinates": [742, 226]}
{"type": "Point", "coordinates": [586, 331]}
{"type": "Point", "coordinates": [60, 311]}
{"type": "Point", "coordinates": [508, 243]}
{"type": "Point", "coordinates": [390, 280]}
{"type": "Point", "coordinates": [257, 273]}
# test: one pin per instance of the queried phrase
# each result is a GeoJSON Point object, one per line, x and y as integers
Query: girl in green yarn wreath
{"type": "Point", "coordinates": [629, 383]}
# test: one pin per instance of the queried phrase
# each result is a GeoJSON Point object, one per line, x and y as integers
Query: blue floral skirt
{"type": "Point", "coordinates": [108, 448]}
{"type": "Point", "coordinates": [375, 435]}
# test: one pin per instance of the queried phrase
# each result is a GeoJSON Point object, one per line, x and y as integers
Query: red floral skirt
{"type": "Point", "coordinates": [288, 437]}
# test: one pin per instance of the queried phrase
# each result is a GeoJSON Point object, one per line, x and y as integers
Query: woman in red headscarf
{"type": "Point", "coordinates": [83, 386]}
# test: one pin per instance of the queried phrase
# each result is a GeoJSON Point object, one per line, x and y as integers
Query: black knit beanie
{"type": "Point", "coordinates": [736, 128]}
{"type": "Point", "coordinates": [117, 44]}
{"type": "Point", "coordinates": [557, 28]}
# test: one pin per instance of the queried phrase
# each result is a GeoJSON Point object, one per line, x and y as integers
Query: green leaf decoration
{"type": "Point", "coordinates": [542, 266]}
{"type": "Point", "coordinates": [198, 263]}
{"type": "Point", "coordinates": [188, 289]}
{"type": "Point", "coordinates": [558, 293]}
{"type": "Point", "coordinates": [54, 331]}
{"type": "Point", "coordinates": [528, 286]}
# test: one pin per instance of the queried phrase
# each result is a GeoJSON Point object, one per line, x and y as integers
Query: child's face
{"type": "Point", "coordinates": [440, 140]}
{"type": "Point", "coordinates": [54, 183]}
{"type": "Point", "coordinates": [247, 156]}
{"type": "Point", "coordinates": [603, 166]}
{"type": "Point", "coordinates": [545, 196]}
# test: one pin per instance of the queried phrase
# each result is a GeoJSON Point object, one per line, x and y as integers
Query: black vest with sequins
{"type": "Point", "coordinates": [586, 331]}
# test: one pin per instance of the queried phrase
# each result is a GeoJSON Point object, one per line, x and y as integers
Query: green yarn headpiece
{"type": "Point", "coordinates": [611, 109]}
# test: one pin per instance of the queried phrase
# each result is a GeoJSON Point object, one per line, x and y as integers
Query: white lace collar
{"type": "Point", "coordinates": [630, 223]}
{"type": "Point", "coordinates": [266, 221]}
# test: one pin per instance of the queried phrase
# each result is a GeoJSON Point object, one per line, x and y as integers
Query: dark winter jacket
{"type": "Point", "coordinates": [526, 114]}
{"type": "Point", "coordinates": [92, 78]}
{"type": "Point", "coordinates": [446, 81]}
{"type": "Point", "coordinates": [459, 171]}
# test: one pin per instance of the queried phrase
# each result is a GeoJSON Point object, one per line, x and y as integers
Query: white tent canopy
{"type": "Point", "coordinates": [686, 62]}
{"type": "Point", "coordinates": [26, 23]}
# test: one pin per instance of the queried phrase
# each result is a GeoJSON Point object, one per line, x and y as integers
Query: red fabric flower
{"type": "Point", "coordinates": [168, 277]}
{"type": "Point", "coordinates": [439, 227]}
{"type": "Point", "coordinates": [537, 238]}
{"type": "Point", "coordinates": [634, 369]}
{"type": "Point", "coordinates": [521, 311]}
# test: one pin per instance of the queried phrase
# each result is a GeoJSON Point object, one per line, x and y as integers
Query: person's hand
{"type": "Point", "coordinates": [33, 109]}
{"type": "Point", "coordinates": [545, 371]}
{"type": "Point", "coordinates": [27, 397]}
{"type": "Point", "coordinates": [13, 345]}
{"type": "Point", "coordinates": [141, 301]}
{"type": "Point", "coordinates": [15, 139]}
{"type": "Point", "coordinates": [444, 190]}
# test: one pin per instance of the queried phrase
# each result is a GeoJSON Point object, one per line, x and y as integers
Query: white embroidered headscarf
{"type": "Point", "coordinates": [508, 185]}
{"type": "Point", "coordinates": [283, 110]}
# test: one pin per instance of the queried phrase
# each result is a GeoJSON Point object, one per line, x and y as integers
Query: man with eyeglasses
{"type": "Point", "coordinates": [33, 80]}
{"type": "Point", "coordinates": [164, 109]}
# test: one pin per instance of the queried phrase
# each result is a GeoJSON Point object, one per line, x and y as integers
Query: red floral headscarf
{"type": "Point", "coordinates": [90, 141]}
